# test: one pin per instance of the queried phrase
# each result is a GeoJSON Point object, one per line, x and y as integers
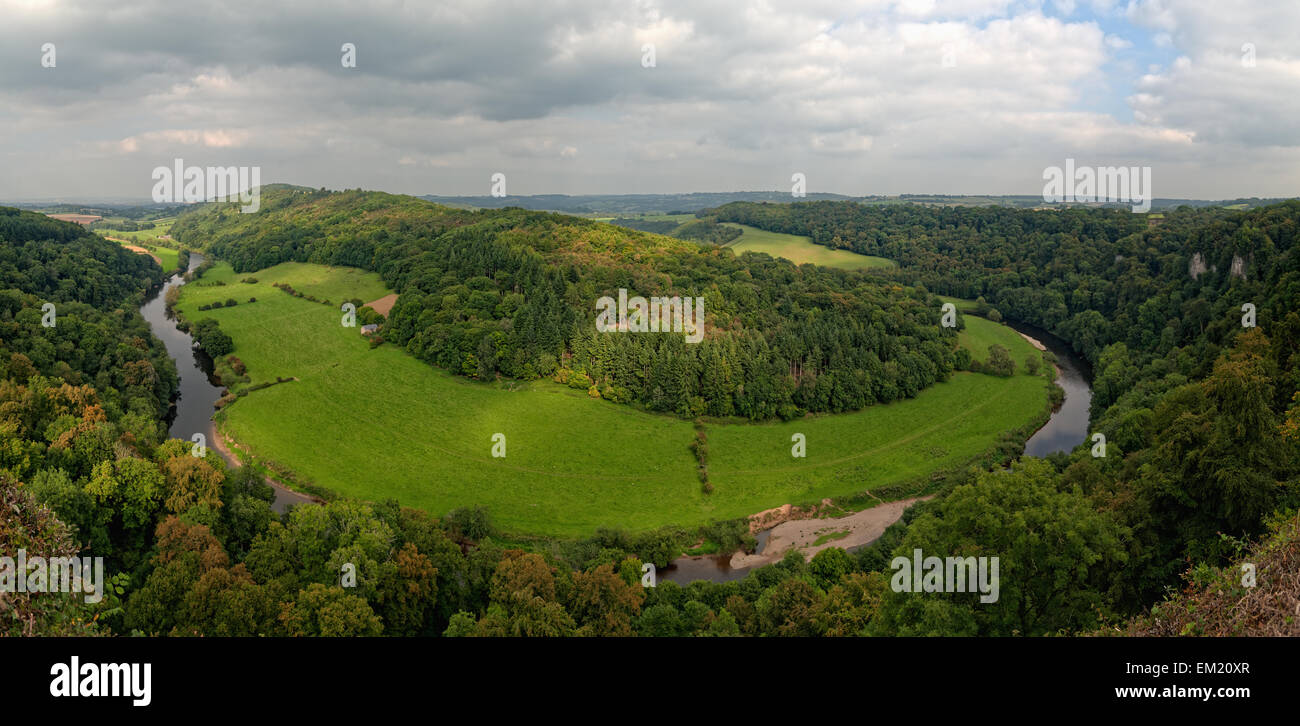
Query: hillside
{"type": "Point", "coordinates": [1258, 595]}
{"type": "Point", "coordinates": [514, 294]}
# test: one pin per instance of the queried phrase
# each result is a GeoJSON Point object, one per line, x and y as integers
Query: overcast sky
{"type": "Point", "coordinates": [876, 97]}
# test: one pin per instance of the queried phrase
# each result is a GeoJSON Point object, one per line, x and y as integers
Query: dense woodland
{"type": "Point", "coordinates": [513, 293]}
{"type": "Point", "coordinates": [703, 229]}
{"type": "Point", "coordinates": [1203, 468]}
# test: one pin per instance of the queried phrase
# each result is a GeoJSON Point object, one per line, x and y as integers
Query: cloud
{"type": "Point", "coordinates": [890, 96]}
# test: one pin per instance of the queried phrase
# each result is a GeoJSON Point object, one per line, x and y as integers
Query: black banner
{"type": "Point", "coordinates": [337, 675]}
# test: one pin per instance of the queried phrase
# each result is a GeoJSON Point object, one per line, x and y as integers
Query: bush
{"type": "Point", "coordinates": [212, 339]}
{"type": "Point", "coordinates": [469, 523]}
{"type": "Point", "coordinates": [1000, 363]}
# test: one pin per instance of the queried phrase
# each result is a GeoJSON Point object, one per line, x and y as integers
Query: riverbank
{"type": "Point", "coordinates": [814, 535]}
{"type": "Point", "coordinates": [193, 407]}
{"type": "Point", "coordinates": [284, 496]}
{"type": "Point", "coordinates": [1068, 425]}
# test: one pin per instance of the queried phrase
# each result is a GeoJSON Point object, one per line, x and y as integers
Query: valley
{"type": "Point", "coordinates": [377, 423]}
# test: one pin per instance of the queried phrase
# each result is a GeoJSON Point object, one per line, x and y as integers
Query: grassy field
{"type": "Point", "coordinates": [161, 227]}
{"type": "Point", "coordinates": [376, 423]}
{"type": "Point", "coordinates": [980, 334]}
{"type": "Point", "coordinates": [799, 250]}
{"type": "Point", "coordinates": [168, 258]}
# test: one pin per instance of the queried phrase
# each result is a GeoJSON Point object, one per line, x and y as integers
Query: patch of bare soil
{"type": "Point", "coordinates": [140, 251]}
{"type": "Point", "coordinates": [383, 304]}
{"type": "Point", "coordinates": [801, 532]}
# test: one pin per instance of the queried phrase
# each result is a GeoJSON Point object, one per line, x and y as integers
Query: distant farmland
{"type": "Point", "coordinates": [800, 250]}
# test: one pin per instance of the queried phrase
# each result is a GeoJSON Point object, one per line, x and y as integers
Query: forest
{"type": "Point", "coordinates": [1202, 469]}
{"type": "Point", "coordinates": [512, 293]}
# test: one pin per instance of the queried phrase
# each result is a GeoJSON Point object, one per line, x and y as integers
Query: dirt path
{"type": "Point", "coordinates": [284, 496]}
{"type": "Point", "coordinates": [862, 527]}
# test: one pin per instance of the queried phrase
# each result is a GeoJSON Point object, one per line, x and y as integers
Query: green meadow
{"type": "Point", "coordinates": [161, 227]}
{"type": "Point", "coordinates": [800, 250]}
{"type": "Point", "coordinates": [980, 334]}
{"type": "Point", "coordinates": [170, 258]}
{"type": "Point", "coordinates": [377, 423]}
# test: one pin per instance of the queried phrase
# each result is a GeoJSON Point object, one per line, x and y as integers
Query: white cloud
{"type": "Point", "coordinates": [742, 94]}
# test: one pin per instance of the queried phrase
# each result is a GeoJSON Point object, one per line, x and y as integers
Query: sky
{"type": "Point", "coordinates": [651, 96]}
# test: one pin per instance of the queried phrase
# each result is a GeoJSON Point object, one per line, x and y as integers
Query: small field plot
{"type": "Point", "coordinates": [800, 250]}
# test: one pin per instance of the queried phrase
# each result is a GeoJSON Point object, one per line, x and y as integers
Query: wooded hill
{"type": "Point", "coordinates": [513, 293]}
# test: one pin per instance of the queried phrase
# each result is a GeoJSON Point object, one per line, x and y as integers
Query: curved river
{"type": "Point", "coordinates": [1066, 429]}
{"type": "Point", "coordinates": [195, 405]}
{"type": "Point", "coordinates": [1068, 426]}
{"type": "Point", "coordinates": [192, 411]}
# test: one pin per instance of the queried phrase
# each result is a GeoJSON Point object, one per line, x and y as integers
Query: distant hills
{"type": "Point", "coordinates": [616, 205]}
{"type": "Point", "coordinates": [624, 204]}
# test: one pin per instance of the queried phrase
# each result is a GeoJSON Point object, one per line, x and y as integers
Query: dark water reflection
{"type": "Point", "coordinates": [1068, 426]}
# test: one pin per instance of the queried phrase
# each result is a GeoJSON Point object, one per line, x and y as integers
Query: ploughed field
{"type": "Point", "coordinates": [169, 258]}
{"type": "Point", "coordinates": [377, 423]}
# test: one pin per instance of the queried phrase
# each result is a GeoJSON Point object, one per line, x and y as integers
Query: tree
{"type": "Point", "coordinates": [999, 362]}
{"type": "Point", "coordinates": [408, 590]}
{"type": "Point", "coordinates": [602, 603]}
{"type": "Point", "coordinates": [329, 612]}
{"type": "Point", "coordinates": [132, 487]}
{"type": "Point", "coordinates": [1058, 559]}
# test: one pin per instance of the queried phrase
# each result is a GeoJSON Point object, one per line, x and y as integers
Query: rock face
{"type": "Point", "coordinates": [769, 518]}
{"type": "Point", "coordinates": [1197, 266]}
{"type": "Point", "coordinates": [1238, 268]}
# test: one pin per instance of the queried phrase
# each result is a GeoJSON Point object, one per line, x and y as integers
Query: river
{"type": "Point", "coordinates": [1065, 429]}
{"type": "Point", "coordinates": [192, 410]}
{"type": "Point", "coordinates": [1068, 426]}
{"type": "Point", "coordinates": [195, 405]}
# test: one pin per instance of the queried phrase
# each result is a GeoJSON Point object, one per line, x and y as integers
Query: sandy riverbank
{"type": "Point", "coordinates": [862, 527]}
